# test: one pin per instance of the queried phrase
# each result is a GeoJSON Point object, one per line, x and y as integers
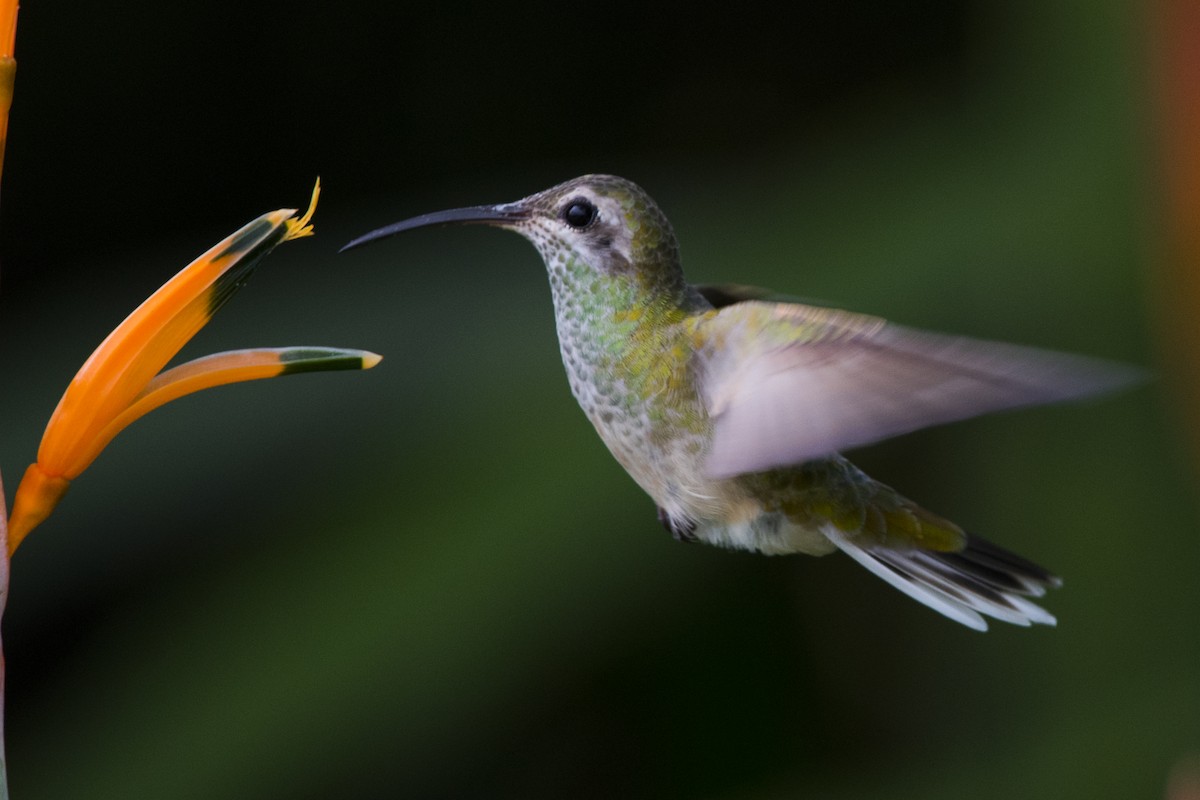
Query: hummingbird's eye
{"type": "Point", "coordinates": [579, 213]}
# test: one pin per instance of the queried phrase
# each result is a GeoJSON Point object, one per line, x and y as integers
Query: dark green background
{"type": "Point", "coordinates": [431, 580]}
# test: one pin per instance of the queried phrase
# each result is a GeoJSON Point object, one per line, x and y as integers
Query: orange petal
{"type": "Point", "coordinates": [217, 370]}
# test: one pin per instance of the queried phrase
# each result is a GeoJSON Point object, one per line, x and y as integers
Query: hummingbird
{"type": "Point", "coordinates": [731, 410]}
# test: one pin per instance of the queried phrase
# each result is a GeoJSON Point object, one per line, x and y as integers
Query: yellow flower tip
{"type": "Point", "coordinates": [297, 228]}
{"type": "Point", "coordinates": [370, 359]}
{"type": "Point", "coordinates": [36, 497]}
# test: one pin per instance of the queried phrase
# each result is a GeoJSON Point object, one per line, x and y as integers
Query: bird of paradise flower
{"type": "Point", "coordinates": [120, 382]}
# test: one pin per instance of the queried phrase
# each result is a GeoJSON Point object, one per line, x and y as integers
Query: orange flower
{"type": "Point", "coordinates": [120, 381]}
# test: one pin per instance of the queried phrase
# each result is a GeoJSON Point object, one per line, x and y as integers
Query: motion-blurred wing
{"type": "Point", "coordinates": [785, 383]}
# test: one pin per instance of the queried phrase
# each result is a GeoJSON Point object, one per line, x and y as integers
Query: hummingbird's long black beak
{"type": "Point", "coordinates": [486, 215]}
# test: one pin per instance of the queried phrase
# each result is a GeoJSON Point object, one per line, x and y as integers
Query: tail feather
{"type": "Point", "coordinates": [966, 585]}
{"type": "Point", "coordinates": [982, 554]}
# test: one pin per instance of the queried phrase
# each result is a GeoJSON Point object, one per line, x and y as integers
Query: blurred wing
{"type": "Point", "coordinates": [786, 383]}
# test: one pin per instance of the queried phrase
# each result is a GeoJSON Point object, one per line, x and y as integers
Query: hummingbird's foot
{"type": "Point", "coordinates": [680, 531]}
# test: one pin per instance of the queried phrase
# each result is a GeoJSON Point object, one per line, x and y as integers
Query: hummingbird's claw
{"type": "Point", "coordinates": [680, 532]}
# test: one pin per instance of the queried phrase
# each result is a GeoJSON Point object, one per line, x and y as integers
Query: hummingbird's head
{"type": "Point", "coordinates": [604, 222]}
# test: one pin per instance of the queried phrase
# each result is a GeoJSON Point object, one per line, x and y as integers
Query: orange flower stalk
{"type": "Point", "coordinates": [8, 66]}
{"type": "Point", "coordinates": [118, 383]}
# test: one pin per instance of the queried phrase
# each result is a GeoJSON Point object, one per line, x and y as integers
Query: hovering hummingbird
{"type": "Point", "coordinates": [730, 410]}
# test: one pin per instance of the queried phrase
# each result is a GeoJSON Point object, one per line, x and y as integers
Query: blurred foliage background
{"type": "Point", "coordinates": [431, 580]}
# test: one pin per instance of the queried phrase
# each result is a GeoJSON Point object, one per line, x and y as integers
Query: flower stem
{"type": "Point", "coordinates": [3, 602]}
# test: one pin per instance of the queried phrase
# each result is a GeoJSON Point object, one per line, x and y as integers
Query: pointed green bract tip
{"type": "Point", "coordinates": [317, 359]}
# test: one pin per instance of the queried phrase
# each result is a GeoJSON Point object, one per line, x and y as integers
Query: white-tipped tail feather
{"type": "Point", "coordinates": [979, 580]}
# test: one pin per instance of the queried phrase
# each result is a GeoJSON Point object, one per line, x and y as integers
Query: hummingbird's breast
{"type": "Point", "coordinates": [630, 368]}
